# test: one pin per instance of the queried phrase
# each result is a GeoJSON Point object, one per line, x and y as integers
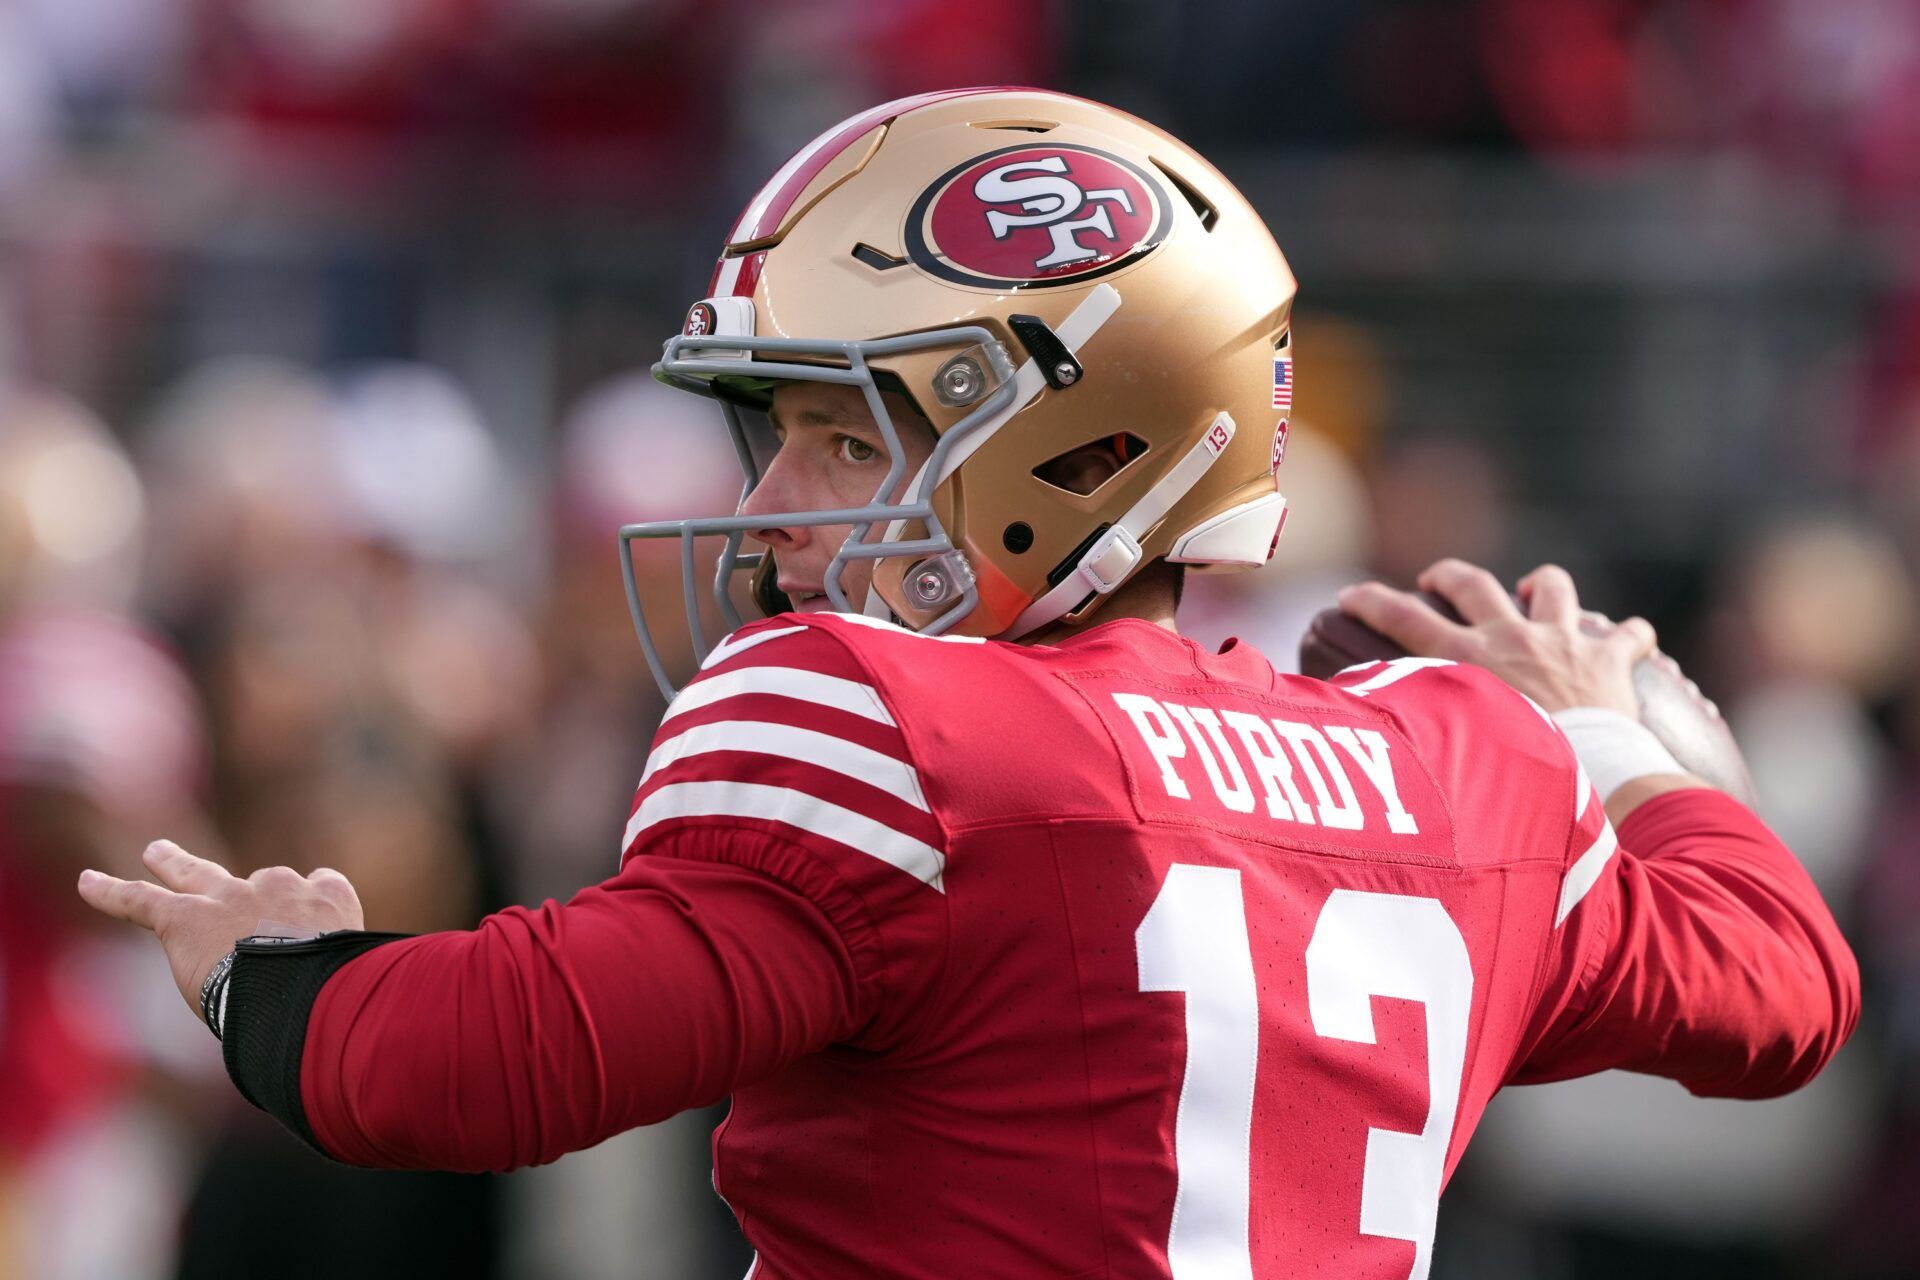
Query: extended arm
{"type": "Point", "coordinates": [1706, 955]}
{"type": "Point", "coordinates": [547, 1031]}
{"type": "Point", "coordinates": [540, 1032]}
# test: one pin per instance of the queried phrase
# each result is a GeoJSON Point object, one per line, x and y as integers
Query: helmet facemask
{"type": "Point", "coordinates": [739, 372]}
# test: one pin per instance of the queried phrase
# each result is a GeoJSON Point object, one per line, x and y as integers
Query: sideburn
{"type": "Point", "coordinates": [767, 595]}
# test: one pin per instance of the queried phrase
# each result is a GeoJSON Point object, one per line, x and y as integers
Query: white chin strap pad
{"type": "Point", "coordinates": [1114, 556]}
{"type": "Point", "coordinates": [1241, 536]}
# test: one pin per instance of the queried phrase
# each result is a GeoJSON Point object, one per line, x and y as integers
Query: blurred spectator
{"type": "Point", "coordinates": [242, 484]}
{"type": "Point", "coordinates": [28, 116]}
{"type": "Point", "coordinates": [1829, 617]}
{"type": "Point", "coordinates": [100, 747]}
{"type": "Point", "coordinates": [71, 507]}
{"type": "Point", "coordinates": [1437, 495]}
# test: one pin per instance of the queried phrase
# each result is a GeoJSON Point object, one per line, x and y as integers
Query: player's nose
{"type": "Point", "coordinates": [776, 495]}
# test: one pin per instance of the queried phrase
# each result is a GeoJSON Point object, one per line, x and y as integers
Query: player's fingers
{"type": "Point", "coordinates": [135, 901]}
{"type": "Point", "coordinates": [1636, 635]}
{"type": "Point", "coordinates": [1405, 619]}
{"type": "Point", "coordinates": [332, 883]}
{"type": "Point", "coordinates": [182, 871]}
{"type": "Point", "coordinates": [1551, 596]}
{"type": "Point", "coordinates": [1476, 593]}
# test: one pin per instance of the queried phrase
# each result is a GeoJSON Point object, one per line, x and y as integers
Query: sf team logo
{"type": "Point", "coordinates": [701, 320]}
{"type": "Point", "coordinates": [1029, 216]}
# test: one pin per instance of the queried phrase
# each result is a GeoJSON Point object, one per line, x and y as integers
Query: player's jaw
{"type": "Point", "coordinates": [802, 571]}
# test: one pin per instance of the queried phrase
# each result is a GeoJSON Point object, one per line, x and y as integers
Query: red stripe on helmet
{"type": "Point", "coordinates": [749, 275]}
{"type": "Point", "coordinates": [735, 276]}
{"type": "Point", "coordinates": [767, 209]}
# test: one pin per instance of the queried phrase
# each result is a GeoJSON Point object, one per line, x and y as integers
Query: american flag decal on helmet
{"type": "Point", "coordinates": [1283, 382]}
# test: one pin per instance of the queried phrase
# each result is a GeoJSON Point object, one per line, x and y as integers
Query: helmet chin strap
{"type": "Point", "coordinates": [1115, 554]}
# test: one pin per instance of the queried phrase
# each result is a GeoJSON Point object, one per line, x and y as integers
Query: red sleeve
{"type": "Point", "coordinates": [545, 1031]}
{"type": "Point", "coordinates": [781, 890]}
{"type": "Point", "coordinates": [1700, 950]}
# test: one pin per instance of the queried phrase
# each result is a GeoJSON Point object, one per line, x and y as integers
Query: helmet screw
{"type": "Point", "coordinates": [1065, 373]}
{"type": "Point", "coordinates": [929, 586]}
{"type": "Point", "coordinates": [959, 382]}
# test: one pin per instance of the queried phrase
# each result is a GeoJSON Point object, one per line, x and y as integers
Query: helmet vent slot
{"type": "Point", "coordinates": [1207, 214]}
{"type": "Point", "coordinates": [1018, 126]}
{"type": "Point", "coordinates": [878, 259]}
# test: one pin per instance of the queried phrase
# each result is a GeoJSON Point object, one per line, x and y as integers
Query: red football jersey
{"type": "Point", "coordinates": [1115, 958]}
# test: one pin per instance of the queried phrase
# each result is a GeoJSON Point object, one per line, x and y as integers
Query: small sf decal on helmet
{"type": "Point", "coordinates": [1028, 216]}
{"type": "Point", "coordinates": [701, 321]}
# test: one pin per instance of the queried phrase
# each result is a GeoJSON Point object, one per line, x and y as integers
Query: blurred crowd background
{"type": "Point", "coordinates": [324, 332]}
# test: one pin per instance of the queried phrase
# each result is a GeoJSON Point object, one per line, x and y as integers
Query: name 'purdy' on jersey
{"type": "Point", "coordinates": [1229, 745]}
{"type": "Point", "coordinates": [1331, 774]}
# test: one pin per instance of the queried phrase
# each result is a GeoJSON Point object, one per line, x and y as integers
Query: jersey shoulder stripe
{"type": "Point", "coordinates": [794, 808]}
{"type": "Point", "coordinates": [785, 726]}
{"type": "Point", "coordinates": [740, 641]}
{"type": "Point", "coordinates": [786, 682]}
{"type": "Point", "coordinates": [769, 738]}
{"type": "Point", "coordinates": [892, 628]}
{"type": "Point", "coordinates": [1368, 677]}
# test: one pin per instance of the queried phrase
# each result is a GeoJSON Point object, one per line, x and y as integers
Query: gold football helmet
{"type": "Point", "coordinates": [1036, 272]}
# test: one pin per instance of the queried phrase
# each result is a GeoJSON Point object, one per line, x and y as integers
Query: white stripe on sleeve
{"type": "Point", "coordinates": [786, 682]}
{"type": "Point", "coordinates": [1585, 871]}
{"type": "Point", "coordinates": [796, 809]}
{"type": "Point", "coordinates": [863, 764]}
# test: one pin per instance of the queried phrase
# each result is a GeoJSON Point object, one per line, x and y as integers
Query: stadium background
{"type": "Point", "coordinates": [323, 332]}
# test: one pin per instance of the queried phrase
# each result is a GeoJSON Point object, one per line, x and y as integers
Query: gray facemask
{"type": "Point", "coordinates": [979, 377]}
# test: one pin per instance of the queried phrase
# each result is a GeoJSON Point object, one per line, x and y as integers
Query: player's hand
{"type": "Point", "coordinates": [1552, 653]}
{"type": "Point", "coordinates": [198, 910]}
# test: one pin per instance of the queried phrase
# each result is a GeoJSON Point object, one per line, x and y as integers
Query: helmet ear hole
{"type": "Point", "coordinates": [1018, 537]}
{"type": "Point", "coordinates": [1086, 468]}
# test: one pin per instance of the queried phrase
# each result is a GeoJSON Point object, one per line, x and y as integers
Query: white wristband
{"type": "Point", "coordinates": [1614, 748]}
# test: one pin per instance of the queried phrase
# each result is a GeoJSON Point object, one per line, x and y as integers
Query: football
{"type": "Point", "coordinates": [1671, 705]}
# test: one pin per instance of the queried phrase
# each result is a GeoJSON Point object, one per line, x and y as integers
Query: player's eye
{"type": "Point", "coordinates": [853, 449]}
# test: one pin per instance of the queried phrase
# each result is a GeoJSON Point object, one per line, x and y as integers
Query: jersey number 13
{"type": "Point", "coordinates": [1194, 940]}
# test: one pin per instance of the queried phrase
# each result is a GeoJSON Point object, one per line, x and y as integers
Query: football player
{"type": "Point", "coordinates": [1028, 937]}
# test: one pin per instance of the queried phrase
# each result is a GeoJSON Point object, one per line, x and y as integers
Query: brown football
{"type": "Point", "coordinates": [1670, 704]}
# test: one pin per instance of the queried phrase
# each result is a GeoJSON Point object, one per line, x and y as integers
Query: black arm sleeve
{"type": "Point", "coordinates": [269, 996]}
